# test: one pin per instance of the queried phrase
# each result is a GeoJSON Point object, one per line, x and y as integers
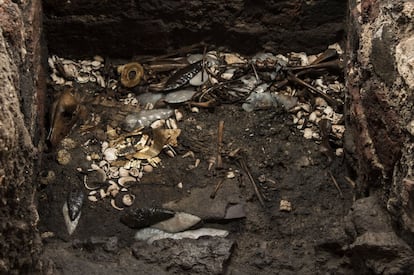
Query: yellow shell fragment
{"type": "Point", "coordinates": [161, 137]}
{"type": "Point", "coordinates": [131, 74]}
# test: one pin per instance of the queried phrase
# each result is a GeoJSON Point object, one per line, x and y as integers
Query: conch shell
{"type": "Point", "coordinates": [65, 111]}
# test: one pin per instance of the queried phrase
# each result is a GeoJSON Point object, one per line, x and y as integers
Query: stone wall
{"type": "Point", "coordinates": [127, 28]}
{"type": "Point", "coordinates": [21, 90]}
{"type": "Point", "coordinates": [380, 121]}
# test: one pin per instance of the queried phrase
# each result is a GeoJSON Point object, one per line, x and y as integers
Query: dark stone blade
{"type": "Point", "coordinates": [144, 217]}
{"type": "Point", "coordinates": [75, 201]}
{"type": "Point", "coordinates": [183, 76]}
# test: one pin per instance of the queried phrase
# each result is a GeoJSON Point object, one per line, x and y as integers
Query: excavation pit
{"type": "Point", "coordinates": [281, 196]}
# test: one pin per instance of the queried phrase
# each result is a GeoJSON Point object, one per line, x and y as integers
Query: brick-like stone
{"type": "Point", "coordinates": [130, 28]}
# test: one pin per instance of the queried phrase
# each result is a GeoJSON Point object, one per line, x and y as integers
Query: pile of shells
{"type": "Point", "coordinates": [124, 159]}
{"type": "Point", "coordinates": [65, 71]}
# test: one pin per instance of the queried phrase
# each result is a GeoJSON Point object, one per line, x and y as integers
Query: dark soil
{"type": "Point", "coordinates": [268, 241]}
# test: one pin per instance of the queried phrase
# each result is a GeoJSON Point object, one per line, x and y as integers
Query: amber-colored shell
{"type": "Point", "coordinates": [131, 74]}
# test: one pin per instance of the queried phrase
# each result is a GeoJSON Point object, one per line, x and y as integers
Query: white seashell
{"type": "Point", "coordinates": [211, 162]}
{"type": "Point", "coordinates": [93, 192]}
{"type": "Point", "coordinates": [295, 119]}
{"type": "Point", "coordinates": [410, 127]}
{"type": "Point", "coordinates": [102, 193]}
{"type": "Point", "coordinates": [95, 167]}
{"type": "Point", "coordinates": [50, 62]}
{"type": "Point", "coordinates": [300, 123]}
{"type": "Point", "coordinates": [128, 199]}
{"type": "Point", "coordinates": [314, 116]}
{"type": "Point", "coordinates": [158, 123]}
{"type": "Point", "coordinates": [172, 123]}
{"type": "Point", "coordinates": [96, 64]}
{"type": "Point", "coordinates": [315, 135]}
{"type": "Point", "coordinates": [134, 172]}
{"type": "Point", "coordinates": [339, 152]}
{"type": "Point", "coordinates": [86, 63]}
{"type": "Point", "coordinates": [338, 130]}
{"type": "Point", "coordinates": [336, 118]}
{"type": "Point", "coordinates": [124, 180]}
{"type": "Point", "coordinates": [136, 163]}
{"type": "Point", "coordinates": [306, 107]}
{"type": "Point", "coordinates": [180, 185]}
{"type": "Point", "coordinates": [103, 163]}
{"type": "Point", "coordinates": [82, 79]}
{"type": "Point", "coordinates": [99, 58]}
{"type": "Point", "coordinates": [178, 115]}
{"type": "Point", "coordinates": [336, 47]}
{"type": "Point", "coordinates": [188, 154]}
{"type": "Point", "coordinates": [319, 83]}
{"type": "Point", "coordinates": [67, 61]}
{"type": "Point", "coordinates": [195, 109]}
{"type": "Point", "coordinates": [92, 198]}
{"type": "Point", "coordinates": [328, 111]}
{"type": "Point", "coordinates": [100, 80]}
{"type": "Point", "coordinates": [110, 154]}
{"type": "Point", "coordinates": [228, 74]}
{"type": "Point", "coordinates": [320, 102]}
{"type": "Point", "coordinates": [143, 141]}
{"type": "Point", "coordinates": [312, 58]}
{"type": "Point", "coordinates": [123, 172]}
{"type": "Point", "coordinates": [147, 168]}
{"type": "Point", "coordinates": [127, 165]}
{"type": "Point", "coordinates": [113, 189]}
{"type": "Point", "coordinates": [115, 206]}
{"type": "Point", "coordinates": [170, 153]}
{"type": "Point", "coordinates": [58, 80]}
{"type": "Point", "coordinates": [230, 175]}
{"type": "Point", "coordinates": [213, 80]}
{"type": "Point", "coordinates": [113, 172]}
{"type": "Point", "coordinates": [71, 70]}
{"type": "Point", "coordinates": [308, 133]}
